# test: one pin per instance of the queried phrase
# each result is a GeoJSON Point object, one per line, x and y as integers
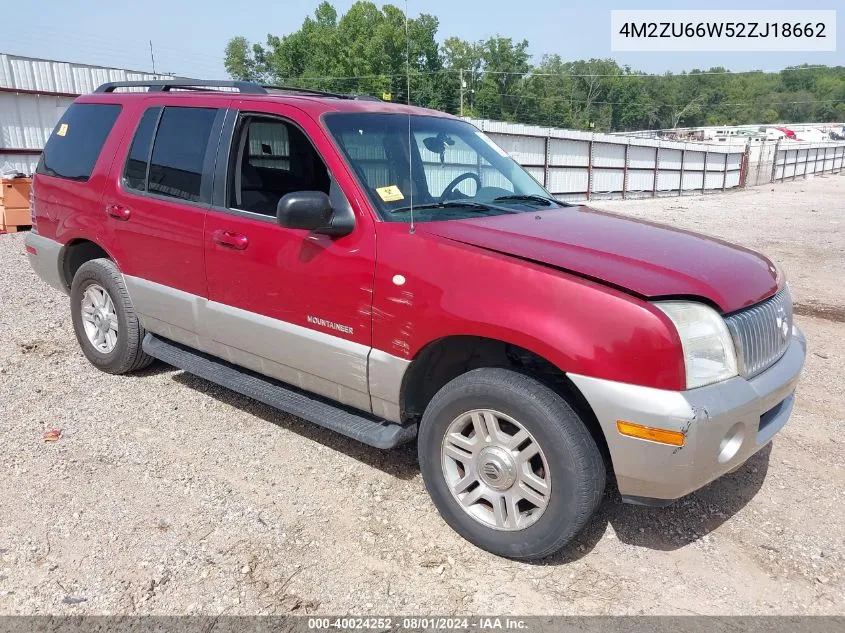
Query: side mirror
{"type": "Point", "coordinates": [309, 210]}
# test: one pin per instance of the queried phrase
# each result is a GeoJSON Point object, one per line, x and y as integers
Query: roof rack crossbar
{"type": "Point", "coordinates": [307, 91]}
{"type": "Point", "coordinates": [321, 93]}
{"type": "Point", "coordinates": [165, 85]}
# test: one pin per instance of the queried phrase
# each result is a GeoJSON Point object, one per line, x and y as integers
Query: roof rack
{"type": "Point", "coordinates": [308, 91]}
{"type": "Point", "coordinates": [165, 85]}
{"type": "Point", "coordinates": [247, 87]}
{"type": "Point", "coordinates": [321, 93]}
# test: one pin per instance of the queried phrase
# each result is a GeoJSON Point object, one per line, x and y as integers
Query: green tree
{"type": "Point", "coordinates": [368, 50]}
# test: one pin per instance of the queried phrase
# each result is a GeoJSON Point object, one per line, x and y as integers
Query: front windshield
{"type": "Point", "coordinates": [452, 171]}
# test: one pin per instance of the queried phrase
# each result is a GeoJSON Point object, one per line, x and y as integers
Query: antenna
{"type": "Point", "coordinates": [412, 229]}
{"type": "Point", "coordinates": [152, 57]}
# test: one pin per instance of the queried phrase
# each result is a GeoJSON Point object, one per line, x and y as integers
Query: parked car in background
{"type": "Point", "coordinates": [390, 273]}
{"type": "Point", "coordinates": [811, 135]}
{"type": "Point", "coordinates": [787, 133]}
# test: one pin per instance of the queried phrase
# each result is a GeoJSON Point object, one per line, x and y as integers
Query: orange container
{"type": "Point", "coordinates": [16, 217]}
{"type": "Point", "coordinates": [14, 193]}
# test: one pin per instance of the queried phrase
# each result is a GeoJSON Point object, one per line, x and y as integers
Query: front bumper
{"type": "Point", "coordinates": [724, 423]}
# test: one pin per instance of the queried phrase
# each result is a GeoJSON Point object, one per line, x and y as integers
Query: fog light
{"type": "Point", "coordinates": [673, 438]}
{"type": "Point", "coordinates": [729, 446]}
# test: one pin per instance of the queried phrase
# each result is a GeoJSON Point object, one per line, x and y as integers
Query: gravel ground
{"type": "Point", "coordinates": [169, 495]}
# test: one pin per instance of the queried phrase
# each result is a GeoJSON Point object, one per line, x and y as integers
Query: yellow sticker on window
{"type": "Point", "coordinates": [62, 129]}
{"type": "Point", "coordinates": [390, 193]}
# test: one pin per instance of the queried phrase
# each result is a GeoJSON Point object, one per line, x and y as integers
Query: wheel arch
{"type": "Point", "coordinates": [75, 253]}
{"type": "Point", "coordinates": [446, 358]}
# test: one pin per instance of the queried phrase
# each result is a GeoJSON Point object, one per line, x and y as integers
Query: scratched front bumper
{"type": "Point", "coordinates": [725, 424]}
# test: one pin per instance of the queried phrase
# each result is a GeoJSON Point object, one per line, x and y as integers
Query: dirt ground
{"type": "Point", "coordinates": [169, 495]}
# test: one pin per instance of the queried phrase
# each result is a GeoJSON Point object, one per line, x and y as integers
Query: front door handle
{"type": "Point", "coordinates": [118, 212]}
{"type": "Point", "coordinates": [230, 239]}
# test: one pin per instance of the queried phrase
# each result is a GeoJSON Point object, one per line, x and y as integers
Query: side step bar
{"type": "Point", "coordinates": [359, 426]}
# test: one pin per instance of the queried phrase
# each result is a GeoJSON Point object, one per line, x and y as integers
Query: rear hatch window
{"type": "Point", "coordinates": [77, 140]}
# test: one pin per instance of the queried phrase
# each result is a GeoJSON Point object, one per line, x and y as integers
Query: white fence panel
{"type": "Point", "coordinates": [607, 181]}
{"type": "Point", "coordinates": [607, 155]}
{"type": "Point", "coordinates": [640, 181]}
{"type": "Point", "coordinates": [564, 180]}
{"type": "Point", "coordinates": [641, 157]}
{"type": "Point", "coordinates": [569, 152]}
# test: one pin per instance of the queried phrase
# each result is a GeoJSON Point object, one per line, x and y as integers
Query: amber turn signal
{"type": "Point", "coordinates": [673, 438]}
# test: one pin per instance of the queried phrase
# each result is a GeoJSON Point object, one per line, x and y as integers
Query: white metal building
{"type": "Point", "coordinates": [33, 95]}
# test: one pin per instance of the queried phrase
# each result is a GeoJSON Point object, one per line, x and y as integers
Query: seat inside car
{"type": "Point", "coordinates": [263, 178]}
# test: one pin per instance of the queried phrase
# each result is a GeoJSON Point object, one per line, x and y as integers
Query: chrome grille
{"type": "Point", "coordinates": [761, 333]}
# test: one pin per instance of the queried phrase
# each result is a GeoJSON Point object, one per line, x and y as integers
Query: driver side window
{"type": "Point", "coordinates": [272, 158]}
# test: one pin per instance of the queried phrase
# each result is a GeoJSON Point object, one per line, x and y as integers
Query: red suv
{"type": "Point", "coordinates": [390, 273]}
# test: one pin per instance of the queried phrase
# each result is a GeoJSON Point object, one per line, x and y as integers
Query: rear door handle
{"type": "Point", "coordinates": [230, 239]}
{"type": "Point", "coordinates": [118, 212]}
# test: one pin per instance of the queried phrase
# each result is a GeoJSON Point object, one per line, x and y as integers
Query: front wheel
{"type": "Point", "coordinates": [508, 463]}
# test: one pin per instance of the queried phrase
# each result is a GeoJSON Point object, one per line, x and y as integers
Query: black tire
{"type": "Point", "coordinates": [127, 354]}
{"type": "Point", "coordinates": [575, 463]}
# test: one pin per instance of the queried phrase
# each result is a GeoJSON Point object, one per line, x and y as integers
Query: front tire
{"type": "Point", "coordinates": [105, 323]}
{"type": "Point", "coordinates": [509, 464]}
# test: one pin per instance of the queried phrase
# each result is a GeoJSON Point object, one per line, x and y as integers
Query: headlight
{"type": "Point", "coordinates": [709, 353]}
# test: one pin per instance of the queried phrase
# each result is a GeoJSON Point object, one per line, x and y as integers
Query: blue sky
{"type": "Point", "coordinates": [189, 36]}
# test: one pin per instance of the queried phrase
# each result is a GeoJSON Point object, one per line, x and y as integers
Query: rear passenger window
{"type": "Point", "coordinates": [135, 171]}
{"type": "Point", "coordinates": [75, 145]}
{"type": "Point", "coordinates": [178, 152]}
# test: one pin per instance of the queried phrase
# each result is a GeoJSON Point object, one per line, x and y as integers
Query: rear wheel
{"type": "Point", "coordinates": [509, 464]}
{"type": "Point", "coordinates": [105, 323]}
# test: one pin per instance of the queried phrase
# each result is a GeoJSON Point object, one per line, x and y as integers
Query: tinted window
{"type": "Point", "coordinates": [179, 150]}
{"type": "Point", "coordinates": [77, 140]}
{"type": "Point", "coordinates": [135, 172]}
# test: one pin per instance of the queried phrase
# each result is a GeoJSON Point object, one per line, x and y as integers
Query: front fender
{"type": "Point", "coordinates": [427, 288]}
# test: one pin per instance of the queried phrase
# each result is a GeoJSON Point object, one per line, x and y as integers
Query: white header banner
{"type": "Point", "coordinates": [705, 30]}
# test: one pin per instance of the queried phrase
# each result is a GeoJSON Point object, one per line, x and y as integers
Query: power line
{"type": "Point", "coordinates": [667, 75]}
{"type": "Point", "coordinates": [529, 74]}
{"type": "Point", "coordinates": [715, 105]}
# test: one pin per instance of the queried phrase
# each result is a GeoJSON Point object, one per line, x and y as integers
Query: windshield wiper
{"type": "Point", "coordinates": [532, 197]}
{"type": "Point", "coordinates": [468, 204]}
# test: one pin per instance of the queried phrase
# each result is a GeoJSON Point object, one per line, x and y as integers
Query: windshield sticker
{"type": "Point", "coordinates": [62, 129]}
{"type": "Point", "coordinates": [390, 193]}
{"type": "Point", "coordinates": [492, 144]}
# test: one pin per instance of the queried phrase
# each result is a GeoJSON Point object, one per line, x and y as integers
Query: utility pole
{"type": "Point", "coordinates": [462, 90]}
{"type": "Point", "coordinates": [152, 57]}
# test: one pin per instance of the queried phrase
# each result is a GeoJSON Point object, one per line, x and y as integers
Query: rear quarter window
{"type": "Point", "coordinates": [77, 140]}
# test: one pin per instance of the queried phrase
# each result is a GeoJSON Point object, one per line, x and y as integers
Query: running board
{"type": "Point", "coordinates": [359, 426]}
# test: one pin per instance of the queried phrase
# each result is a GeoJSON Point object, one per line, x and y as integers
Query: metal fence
{"type": "Point", "coordinates": [761, 158]}
{"type": "Point", "coordinates": [776, 161]}
{"type": "Point", "coordinates": [799, 160]}
{"type": "Point", "coordinates": [576, 165]}
{"type": "Point", "coordinates": [582, 165]}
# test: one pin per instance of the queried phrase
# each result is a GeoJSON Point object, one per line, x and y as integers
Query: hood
{"type": "Point", "coordinates": [644, 258]}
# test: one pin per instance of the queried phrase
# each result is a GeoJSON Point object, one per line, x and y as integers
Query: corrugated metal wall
{"type": "Point", "coordinates": [577, 165]}
{"type": "Point", "coordinates": [43, 75]}
{"type": "Point", "coordinates": [33, 95]}
{"type": "Point", "coordinates": [798, 160]}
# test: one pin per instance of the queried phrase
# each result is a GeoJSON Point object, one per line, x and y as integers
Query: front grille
{"type": "Point", "coordinates": [761, 333]}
